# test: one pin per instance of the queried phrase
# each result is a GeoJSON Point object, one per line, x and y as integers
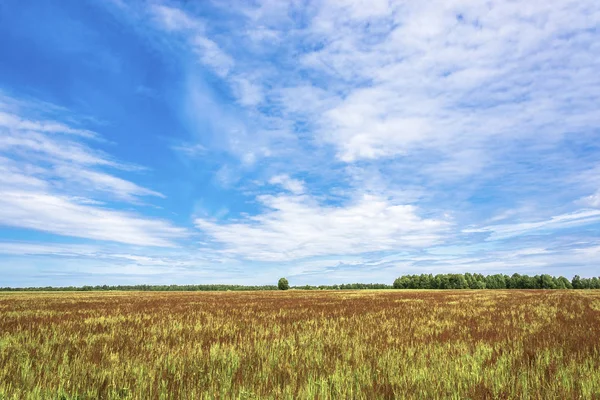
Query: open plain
{"type": "Point", "coordinates": [301, 344]}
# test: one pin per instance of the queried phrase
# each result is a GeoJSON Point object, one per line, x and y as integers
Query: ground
{"type": "Point", "coordinates": [301, 344]}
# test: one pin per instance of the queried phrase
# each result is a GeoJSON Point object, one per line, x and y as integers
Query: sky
{"type": "Point", "coordinates": [184, 142]}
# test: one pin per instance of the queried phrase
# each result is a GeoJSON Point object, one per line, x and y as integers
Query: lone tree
{"type": "Point", "coordinates": [283, 284]}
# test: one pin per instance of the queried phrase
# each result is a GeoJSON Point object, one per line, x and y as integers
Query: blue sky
{"type": "Point", "coordinates": [329, 142]}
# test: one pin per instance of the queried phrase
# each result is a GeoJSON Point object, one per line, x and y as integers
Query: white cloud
{"type": "Point", "coordinates": [174, 19]}
{"type": "Point", "coordinates": [190, 150]}
{"type": "Point", "coordinates": [504, 231]}
{"type": "Point", "coordinates": [261, 34]}
{"type": "Point", "coordinates": [11, 121]}
{"type": "Point", "coordinates": [212, 55]}
{"type": "Point", "coordinates": [432, 63]}
{"type": "Point", "coordinates": [297, 227]}
{"type": "Point", "coordinates": [15, 174]}
{"type": "Point", "coordinates": [209, 53]}
{"type": "Point", "coordinates": [99, 181]}
{"type": "Point", "coordinates": [293, 185]}
{"type": "Point", "coordinates": [591, 200]}
{"type": "Point", "coordinates": [52, 154]}
{"type": "Point", "coordinates": [248, 94]}
{"type": "Point", "coordinates": [304, 100]}
{"type": "Point", "coordinates": [366, 126]}
{"type": "Point", "coordinates": [170, 258]}
{"type": "Point", "coordinates": [44, 175]}
{"type": "Point", "coordinates": [395, 78]}
{"type": "Point", "coordinates": [50, 148]}
{"type": "Point", "coordinates": [63, 216]}
{"type": "Point", "coordinates": [392, 78]}
{"type": "Point", "coordinates": [25, 248]}
{"type": "Point", "coordinates": [227, 176]}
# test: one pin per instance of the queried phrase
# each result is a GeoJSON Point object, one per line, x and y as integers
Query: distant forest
{"type": "Point", "coordinates": [497, 281]}
{"type": "Point", "coordinates": [423, 281]}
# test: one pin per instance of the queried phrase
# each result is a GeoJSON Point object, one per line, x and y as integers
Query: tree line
{"type": "Point", "coordinates": [497, 281]}
{"type": "Point", "coordinates": [282, 285]}
{"type": "Point", "coordinates": [422, 281]}
{"type": "Point", "coordinates": [345, 286]}
{"type": "Point", "coordinates": [145, 288]}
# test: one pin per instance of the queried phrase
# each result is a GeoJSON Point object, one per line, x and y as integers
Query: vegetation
{"type": "Point", "coordinates": [533, 344]}
{"type": "Point", "coordinates": [283, 284]}
{"type": "Point", "coordinates": [423, 281]}
{"type": "Point", "coordinates": [498, 281]}
{"type": "Point", "coordinates": [192, 288]}
{"type": "Point", "coordinates": [143, 288]}
{"type": "Point", "coordinates": [346, 286]}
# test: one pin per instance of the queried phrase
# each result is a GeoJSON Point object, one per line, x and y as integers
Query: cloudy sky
{"type": "Point", "coordinates": [325, 141]}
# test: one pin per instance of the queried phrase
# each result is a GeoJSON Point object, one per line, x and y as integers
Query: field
{"type": "Point", "coordinates": [301, 344]}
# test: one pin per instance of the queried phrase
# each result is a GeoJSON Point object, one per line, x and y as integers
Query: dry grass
{"type": "Point", "coordinates": [296, 344]}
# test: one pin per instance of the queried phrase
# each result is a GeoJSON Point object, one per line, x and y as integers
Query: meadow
{"type": "Point", "coordinates": [517, 344]}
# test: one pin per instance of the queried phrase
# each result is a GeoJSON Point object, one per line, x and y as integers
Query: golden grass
{"type": "Point", "coordinates": [300, 344]}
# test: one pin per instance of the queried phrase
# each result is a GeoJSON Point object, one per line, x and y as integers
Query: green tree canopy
{"type": "Point", "coordinates": [283, 284]}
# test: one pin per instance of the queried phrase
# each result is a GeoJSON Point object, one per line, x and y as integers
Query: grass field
{"type": "Point", "coordinates": [301, 344]}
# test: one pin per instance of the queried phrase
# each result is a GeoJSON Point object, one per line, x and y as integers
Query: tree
{"type": "Point", "coordinates": [457, 281]}
{"type": "Point", "coordinates": [477, 285]}
{"type": "Point", "coordinates": [547, 282]}
{"type": "Point", "coordinates": [402, 283]}
{"type": "Point", "coordinates": [514, 282]}
{"type": "Point", "coordinates": [442, 281]}
{"type": "Point", "coordinates": [497, 281]}
{"type": "Point", "coordinates": [563, 283]}
{"type": "Point", "coordinates": [283, 284]}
